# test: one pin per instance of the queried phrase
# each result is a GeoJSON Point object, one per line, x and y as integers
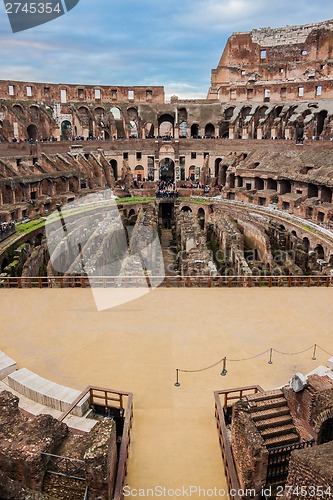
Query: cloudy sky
{"type": "Point", "coordinates": [174, 43]}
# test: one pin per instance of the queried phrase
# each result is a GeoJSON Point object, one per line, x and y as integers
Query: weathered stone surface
{"type": "Point", "coordinates": [298, 382]}
{"type": "Point", "coordinates": [101, 459]}
{"type": "Point", "coordinates": [23, 440]}
{"type": "Point", "coordinates": [311, 468]}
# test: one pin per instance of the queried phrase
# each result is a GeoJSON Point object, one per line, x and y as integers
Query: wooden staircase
{"type": "Point", "coordinates": [271, 415]}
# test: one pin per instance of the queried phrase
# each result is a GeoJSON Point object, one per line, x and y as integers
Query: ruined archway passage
{"type": "Point", "coordinates": [167, 170]}
{"type": "Point", "coordinates": [32, 132]}
{"type": "Point", "coordinates": [326, 432]}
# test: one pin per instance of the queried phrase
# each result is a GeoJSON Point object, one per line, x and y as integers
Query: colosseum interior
{"type": "Point", "coordinates": [238, 188]}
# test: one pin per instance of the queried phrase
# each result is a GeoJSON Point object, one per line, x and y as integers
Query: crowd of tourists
{"type": "Point", "coordinates": [166, 189]}
{"type": "Point", "coordinates": [6, 229]}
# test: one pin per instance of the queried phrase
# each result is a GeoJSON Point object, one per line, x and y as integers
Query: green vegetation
{"type": "Point", "coordinates": [28, 227]}
{"type": "Point", "coordinates": [135, 199]}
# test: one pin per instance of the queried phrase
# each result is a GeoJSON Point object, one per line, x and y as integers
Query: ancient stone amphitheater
{"type": "Point", "coordinates": [238, 187]}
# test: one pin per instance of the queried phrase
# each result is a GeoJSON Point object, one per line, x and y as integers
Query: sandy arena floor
{"type": "Point", "coordinates": [137, 346]}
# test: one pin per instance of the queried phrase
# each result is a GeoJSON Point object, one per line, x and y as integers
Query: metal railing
{"type": "Point", "coordinates": [278, 461]}
{"type": "Point", "coordinates": [225, 445]}
{"type": "Point", "coordinates": [167, 282]}
{"type": "Point", "coordinates": [71, 468]}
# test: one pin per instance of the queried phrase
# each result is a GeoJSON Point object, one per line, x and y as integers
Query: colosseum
{"type": "Point", "coordinates": [219, 212]}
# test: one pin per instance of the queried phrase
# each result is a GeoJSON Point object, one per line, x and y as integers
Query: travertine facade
{"type": "Point", "coordinates": [283, 64]}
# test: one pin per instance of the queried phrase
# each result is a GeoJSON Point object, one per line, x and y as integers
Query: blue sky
{"type": "Point", "coordinates": [130, 42]}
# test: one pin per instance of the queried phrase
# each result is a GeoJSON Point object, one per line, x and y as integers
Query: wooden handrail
{"type": "Point", "coordinates": [226, 450]}
{"type": "Point", "coordinates": [126, 435]}
{"type": "Point", "coordinates": [168, 281]}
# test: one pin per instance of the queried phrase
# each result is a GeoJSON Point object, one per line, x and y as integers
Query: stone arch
{"type": "Point", "coordinates": [201, 218]}
{"type": "Point", "coordinates": [83, 111]}
{"type": "Point", "coordinates": [209, 130]}
{"type": "Point", "coordinates": [166, 125]}
{"type": "Point", "coordinates": [182, 115]}
{"type": "Point", "coordinates": [46, 187]}
{"type": "Point", "coordinates": [195, 131]}
{"type": "Point", "coordinates": [322, 418]}
{"type": "Point", "coordinates": [262, 112]}
{"type": "Point", "coordinates": [222, 178]}
{"type": "Point", "coordinates": [38, 239]}
{"type": "Point", "coordinates": [18, 109]}
{"type": "Point", "coordinates": [19, 192]}
{"type": "Point", "coordinates": [186, 208]}
{"type": "Point", "coordinates": [32, 132]}
{"type": "Point", "coordinates": [139, 173]}
{"type": "Point", "coordinates": [66, 130]}
{"type": "Point", "coordinates": [321, 117]}
{"type": "Point", "coordinates": [34, 112]}
{"type": "Point", "coordinates": [217, 166]}
{"type": "Point", "coordinates": [325, 434]}
{"type": "Point", "coordinates": [132, 217]}
{"type": "Point", "coordinates": [99, 112]}
{"type": "Point", "coordinates": [116, 113]}
{"type": "Point", "coordinates": [306, 244]}
{"type": "Point", "coordinates": [320, 252]}
{"type": "Point", "coordinates": [167, 169]}
{"type": "Point", "coordinates": [114, 166]}
{"type": "Point", "coordinates": [183, 129]}
{"type": "Point", "coordinates": [271, 184]}
{"type": "Point", "coordinates": [229, 112]}
{"type": "Point", "coordinates": [150, 130]}
{"type": "Point", "coordinates": [191, 172]}
{"type": "Point", "coordinates": [134, 133]}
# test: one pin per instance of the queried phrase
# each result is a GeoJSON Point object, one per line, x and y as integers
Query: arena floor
{"type": "Point", "coordinates": [137, 347]}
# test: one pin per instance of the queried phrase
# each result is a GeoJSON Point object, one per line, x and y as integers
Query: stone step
{"type": "Point", "coordinates": [267, 404]}
{"type": "Point", "coordinates": [281, 440]}
{"type": "Point", "coordinates": [273, 422]}
{"type": "Point", "coordinates": [277, 431]}
{"type": "Point", "coordinates": [7, 365]}
{"type": "Point", "coordinates": [263, 396]}
{"type": "Point", "coordinates": [270, 413]}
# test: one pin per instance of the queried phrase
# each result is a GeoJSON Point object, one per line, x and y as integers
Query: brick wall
{"type": "Point", "coordinates": [312, 469]}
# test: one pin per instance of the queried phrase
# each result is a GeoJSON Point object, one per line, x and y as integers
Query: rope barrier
{"type": "Point", "coordinates": [271, 350]}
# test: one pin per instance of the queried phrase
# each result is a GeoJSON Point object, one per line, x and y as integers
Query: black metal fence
{"type": "Point", "coordinates": [278, 461]}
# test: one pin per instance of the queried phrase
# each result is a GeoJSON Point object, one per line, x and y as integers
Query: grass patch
{"type": "Point", "coordinates": [30, 226]}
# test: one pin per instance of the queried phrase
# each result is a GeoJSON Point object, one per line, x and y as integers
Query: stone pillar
{"type": "Point", "coordinates": [157, 170]}
{"type": "Point", "coordinates": [176, 132]}
{"type": "Point", "coordinates": [231, 133]}
{"type": "Point", "coordinates": [143, 132]}
{"type": "Point", "coordinates": [273, 133]}
{"type": "Point", "coordinates": [259, 133]}
{"type": "Point", "coordinates": [287, 133]}
{"type": "Point", "coordinates": [177, 171]}
{"type": "Point", "coordinates": [245, 133]}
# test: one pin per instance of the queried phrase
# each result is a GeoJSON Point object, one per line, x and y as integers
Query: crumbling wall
{"type": "Point", "coordinates": [23, 440]}
{"type": "Point", "coordinates": [313, 405]}
{"type": "Point", "coordinates": [312, 470]}
{"type": "Point", "coordinates": [248, 449]}
{"type": "Point", "coordinates": [101, 460]}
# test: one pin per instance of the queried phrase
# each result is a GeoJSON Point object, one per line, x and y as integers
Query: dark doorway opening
{"type": "Point", "coordinates": [166, 214]}
{"type": "Point", "coordinates": [326, 432]}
